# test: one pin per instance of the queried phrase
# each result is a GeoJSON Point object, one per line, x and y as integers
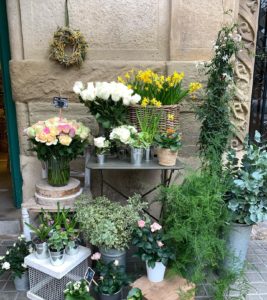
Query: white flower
{"type": "Point", "coordinates": [227, 77]}
{"type": "Point", "coordinates": [30, 249]}
{"type": "Point", "coordinates": [121, 133]}
{"type": "Point", "coordinates": [6, 266]}
{"type": "Point", "coordinates": [216, 47]}
{"type": "Point", "coordinates": [2, 257]}
{"type": "Point", "coordinates": [87, 288]}
{"type": "Point", "coordinates": [135, 99]}
{"type": "Point", "coordinates": [89, 94]}
{"type": "Point", "coordinates": [78, 87]}
{"type": "Point", "coordinates": [116, 262]}
{"type": "Point", "coordinates": [101, 142]}
{"type": "Point", "coordinates": [24, 265]}
{"type": "Point", "coordinates": [103, 90]}
{"type": "Point", "coordinates": [237, 38]}
{"type": "Point", "coordinates": [7, 252]}
{"type": "Point", "coordinates": [14, 245]}
{"type": "Point", "coordinates": [225, 57]}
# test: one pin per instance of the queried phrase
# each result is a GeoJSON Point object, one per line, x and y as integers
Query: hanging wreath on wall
{"type": "Point", "coordinates": [68, 46]}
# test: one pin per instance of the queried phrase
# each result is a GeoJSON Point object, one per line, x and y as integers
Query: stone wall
{"type": "Point", "coordinates": [164, 35]}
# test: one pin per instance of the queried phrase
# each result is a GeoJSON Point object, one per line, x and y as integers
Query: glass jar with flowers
{"type": "Point", "coordinates": [163, 93]}
{"type": "Point", "coordinates": [57, 141]}
{"type": "Point", "coordinates": [78, 290]}
{"type": "Point", "coordinates": [149, 240]}
{"type": "Point", "coordinates": [14, 261]}
{"type": "Point", "coordinates": [168, 143]}
{"type": "Point", "coordinates": [110, 278]}
{"type": "Point", "coordinates": [102, 146]}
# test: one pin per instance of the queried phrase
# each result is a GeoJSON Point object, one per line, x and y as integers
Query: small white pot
{"type": "Point", "coordinates": [157, 273]}
{"type": "Point", "coordinates": [101, 158]}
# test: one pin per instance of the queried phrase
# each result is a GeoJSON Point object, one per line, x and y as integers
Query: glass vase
{"type": "Point", "coordinates": [58, 171]}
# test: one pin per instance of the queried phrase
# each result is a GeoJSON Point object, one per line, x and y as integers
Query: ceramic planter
{"type": "Point", "coordinates": [156, 274]}
{"type": "Point", "coordinates": [100, 158]}
{"type": "Point", "coordinates": [57, 257]}
{"type": "Point", "coordinates": [109, 255]}
{"type": "Point", "coordinates": [41, 250]}
{"type": "Point", "coordinates": [237, 245]}
{"type": "Point", "coordinates": [58, 171]}
{"type": "Point", "coordinates": [116, 296]}
{"type": "Point", "coordinates": [72, 248]}
{"type": "Point", "coordinates": [166, 157]}
{"type": "Point", "coordinates": [22, 283]}
{"type": "Point", "coordinates": [137, 156]}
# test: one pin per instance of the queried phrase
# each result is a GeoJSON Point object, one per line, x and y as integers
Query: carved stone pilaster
{"type": "Point", "coordinates": [244, 67]}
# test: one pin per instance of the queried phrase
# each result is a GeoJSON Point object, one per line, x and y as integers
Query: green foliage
{"type": "Point", "coordinates": [78, 290]}
{"type": "Point", "coordinates": [110, 277]}
{"type": "Point", "coordinates": [247, 197]}
{"type": "Point", "coordinates": [214, 112]}
{"type": "Point", "coordinates": [14, 259]}
{"type": "Point", "coordinates": [58, 239]}
{"type": "Point", "coordinates": [108, 224]}
{"type": "Point", "coordinates": [140, 140]}
{"type": "Point", "coordinates": [170, 139]}
{"type": "Point", "coordinates": [135, 294]}
{"type": "Point", "coordinates": [149, 240]}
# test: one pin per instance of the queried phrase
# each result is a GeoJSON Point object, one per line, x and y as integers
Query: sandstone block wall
{"type": "Point", "coordinates": [164, 35]}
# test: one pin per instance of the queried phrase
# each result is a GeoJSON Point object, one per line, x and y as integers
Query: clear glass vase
{"type": "Point", "coordinates": [58, 171]}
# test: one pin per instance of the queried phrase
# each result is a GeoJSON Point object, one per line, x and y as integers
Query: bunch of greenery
{"type": "Point", "coordinates": [14, 259]}
{"type": "Point", "coordinates": [58, 239]}
{"type": "Point", "coordinates": [110, 277]}
{"type": "Point", "coordinates": [247, 197]}
{"type": "Point", "coordinates": [140, 140]}
{"type": "Point", "coordinates": [171, 139]}
{"type": "Point", "coordinates": [78, 290]}
{"type": "Point", "coordinates": [160, 89]}
{"type": "Point", "coordinates": [149, 240]}
{"type": "Point", "coordinates": [135, 294]}
{"type": "Point", "coordinates": [108, 224]}
{"type": "Point", "coordinates": [214, 111]}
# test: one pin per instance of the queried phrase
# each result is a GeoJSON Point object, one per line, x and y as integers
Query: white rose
{"type": "Point", "coordinates": [103, 90]}
{"type": "Point", "coordinates": [2, 257]}
{"type": "Point", "coordinates": [78, 87]}
{"type": "Point", "coordinates": [126, 101]}
{"type": "Point", "coordinates": [135, 99]}
{"type": "Point", "coordinates": [7, 252]}
{"type": "Point", "coordinates": [6, 266]}
{"type": "Point", "coordinates": [100, 142]}
{"type": "Point", "coordinates": [91, 91]}
{"type": "Point", "coordinates": [124, 135]}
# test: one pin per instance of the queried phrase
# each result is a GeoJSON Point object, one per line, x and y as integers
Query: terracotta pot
{"type": "Point", "coordinates": [166, 157]}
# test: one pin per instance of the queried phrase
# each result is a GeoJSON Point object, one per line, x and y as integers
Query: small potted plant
{"type": "Point", "coordinates": [78, 290]}
{"type": "Point", "coordinates": [148, 238]}
{"type": "Point", "coordinates": [109, 225]}
{"type": "Point", "coordinates": [110, 278]}
{"type": "Point", "coordinates": [57, 243]}
{"type": "Point", "coordinates": [41, 233]}
{"type": "Point", "coordinates": [14, 261]}
{"type": "Point", "coordinates": [135, 294]}
{"type": "Point", "coordinates": [138, 142]}
{"type": "Point", "coordinates": [246, 198]}
{"type": "Point", "coordinates": [102, 146]}
{"type": "Point", "coordinates": [168, 143]}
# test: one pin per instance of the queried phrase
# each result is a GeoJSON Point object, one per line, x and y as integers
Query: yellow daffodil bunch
{"type": "Point", "coordinates": [158, 89]}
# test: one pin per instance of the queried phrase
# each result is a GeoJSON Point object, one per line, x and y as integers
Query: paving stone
{"type": "Point", "coordinates": [264, 297]}
{"type": "Point", "coordinates": [264, 276]}
{"type": "Point", "coordinates": [263, 258]}
{"type": "Point", "coordinates": [9, 287]}
{"type": "Point", "coordinates": [254, 258]}
{"type": "Point", "coordinates": [2, 284]}
{"type": "Point", "coordinates": [261, 288]}
{"type": "Point", "coordinates": [8, 295]}
{"type": "Point", "coordinates": [22, 296]}
{"type": "Point", "coordinates": [254, 277]}
{"type": "Point", "coordinates": [5, 276]}
{"type": "Point", "coordinates": [253, 297]}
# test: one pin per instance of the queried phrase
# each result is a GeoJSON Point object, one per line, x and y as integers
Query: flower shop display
{"type": "Point", "coordinates": [149, 240]}
{"type": "Point", "coordinates": [247, 196]}
{"type": "Point", "coordinates": [57, 141]}
{"type": "Point", "coordinates": [57, 243]}
{"type": "Point", "coordinates": [168, 144]}
{"type": "Point", "coordinates": [78, 290]}
{"type": "Point", "coordinates": [109, 225]}
{"type": "Point", "coordinates": [111, 278]}
{"type": "Point", "coordinates": [14, 261]}
{"type": "Point", "coordinates": [41, 235]}
{"type": "Point", "coordinates": [102, 146]}
{"type": "Point", "coordinates": [158, 91]}
{"type": "Point", "coordinates": [107, 101]}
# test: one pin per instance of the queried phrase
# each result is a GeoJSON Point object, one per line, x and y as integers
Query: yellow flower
{"type": "Point", "coordinates": [158, 104]}
{"type": "Point", "coordinates": [145, 76]}
{"type": "Point", "coordinates": [65, 139]}
{"type": "Point", "coordinates": [120, 79]}
{"type": "Point", "coordinates": [127, 76]}
{"type": "Point", "coordinates": [170, 117]}
{"type": "Point", "coordinates": [159, 85]}
{"type": "Point", "coordinates": [129, 86]}
{"type": "Point", "coordinates": [146, 88]}
{"type": "Point", "coordinates": [153, 101]}
{"type": "Point", "coordinates": [194, 86]}
{"type": "Point", "coordinates": [145, 102]}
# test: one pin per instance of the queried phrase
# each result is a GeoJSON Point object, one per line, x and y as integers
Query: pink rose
{"type": "Point", "coordinates": [160, 244]}
{"type": "Point", "coordinates": [72, 132]}
{"type": "Point", "coordinates": [46, 130]}
{"type": "Point", "coordinates": [96, 256]}
{"type": "Point", "coordinates": [141, 223]}
{"type": "Point", "coordinates": [155, 226]}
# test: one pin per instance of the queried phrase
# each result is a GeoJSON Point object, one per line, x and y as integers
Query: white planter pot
{"type": "Point", "coordinates": [157, 273]}
{"type": "Point", "coordinates": [237, 245]}
{"type": "Point", "coordinates": [22, 284]}
{"type": "Point", "coordinates": [137, 156]}
{"type": "Point", "coordinates": [57, 257]}
{"type": "Point", "coordinates": [41, 250]}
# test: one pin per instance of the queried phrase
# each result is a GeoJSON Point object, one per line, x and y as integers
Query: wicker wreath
{"type": "Point", "coordinates": [73, 39]}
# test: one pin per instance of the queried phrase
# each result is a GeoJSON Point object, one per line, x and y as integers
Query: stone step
{"type": "Point", "coordinates": [10, 227]}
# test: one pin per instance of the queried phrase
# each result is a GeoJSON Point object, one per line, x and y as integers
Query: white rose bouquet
{"type": "Point", "coordinates": [107, 101]}
{"type": "Point", "coordinates": [102, 145]}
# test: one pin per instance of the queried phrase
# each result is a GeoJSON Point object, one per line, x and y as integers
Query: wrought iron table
{"type": "Point", "coordinates": [116, 164]}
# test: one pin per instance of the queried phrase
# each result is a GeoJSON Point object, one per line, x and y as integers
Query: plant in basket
{"type": "Point", "coordinates": [78, 290]}
{"type": "Point", "coordinates": [149, 240]}
{"type": "Point", "coordinates": [14, 261]}
{"type": "Point", "coordinates": [107, 101]}
{"type": "Point", "coordinates": [57, 141]}
{"type": "Point", "coordinates": [102, 146]}
{"type": "Point", "coordinates": [57, 243]}
{"type": "Point", "coordinates": [110, 279]}
{"type": "Point", "coordinates": [169, 143]}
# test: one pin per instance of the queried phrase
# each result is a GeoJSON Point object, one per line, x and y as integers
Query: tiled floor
{"type": "Point", "coordinates": [256, 274]}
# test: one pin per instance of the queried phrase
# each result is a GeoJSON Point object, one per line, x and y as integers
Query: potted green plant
{"type": "Point", "coordinates": [135, 294]}
{"type": "Point", "coordinates": [14, 261]}
{"type": "Point", "coordinates": [168, 143]}
{"type": "Point", "coordinates": [246, 198]}
{"type": "Point", "coordinates": [78, 290]}
{"type": "Point", "coordinates": [102, 145]}
{"type": "Point", "coordinates": [57, 243]}
{"type": "Point", "coordinates": [149, 240]}
{"type": "Point", "coordinates": [109, 225]}
{"type": "Point", "coordinates": [138, 142]}
{"type": "Point", "coordinates": [111, 278]}
{"type": "Point", "coordinates": [41, 233]}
